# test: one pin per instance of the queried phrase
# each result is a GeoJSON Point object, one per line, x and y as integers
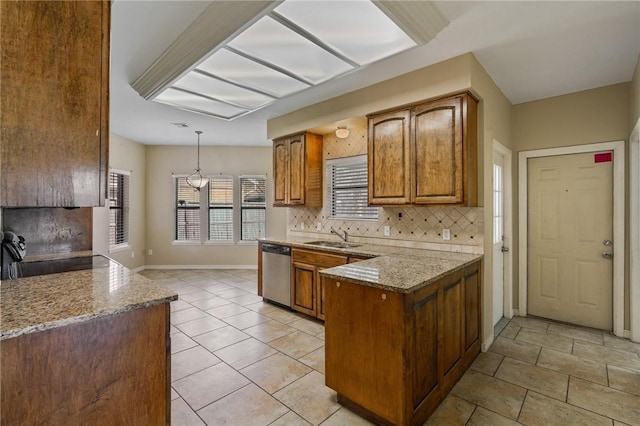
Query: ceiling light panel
{"type": "Point", "coordinates": [196, 103]}
{"type": "Point", "coordinates": [358, 30]}
{"type": "Point", "coordinates": [273, 43]}
{"type": "Point", "coordinates": [238, 69]}
{"type": "Point", "coordinates": [222, 91]}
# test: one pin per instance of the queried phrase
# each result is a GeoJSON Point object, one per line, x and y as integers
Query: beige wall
{"type": "Point", "coordinates": [162, 162]}
{"type": "Point", "coordinates": [128, 155]}
{"type": "Point", "coordinates": [634, 109]}
{"type": "Point", "coordinates": [590, 116]}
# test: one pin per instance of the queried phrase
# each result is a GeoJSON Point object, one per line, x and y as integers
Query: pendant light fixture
{"type": "Point", "coordinates": [197, 179]}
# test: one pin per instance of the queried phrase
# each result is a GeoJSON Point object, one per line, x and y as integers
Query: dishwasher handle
{"type": "Point", "coordinates": [276, 249]}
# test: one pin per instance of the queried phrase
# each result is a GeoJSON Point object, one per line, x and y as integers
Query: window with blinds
{"type": "Point", "coordinates": [118, 209]}
{"type": "Point", "coordinates": [221, 208]}
{"type": "Point", "coordinates": [187, 211]}
{"type": "Point", "coordinates": [253, 207]}
{"type": "Point", "coordinates": [348, 189]}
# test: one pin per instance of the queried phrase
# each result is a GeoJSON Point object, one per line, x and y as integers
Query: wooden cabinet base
{"type": "Point", "coordinates": [112, 370]}
{"type": "Point", "coordinates": [393, 357]}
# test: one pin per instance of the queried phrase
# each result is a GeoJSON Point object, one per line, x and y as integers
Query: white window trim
{"type": "Point", "coordinates": [329, 188]}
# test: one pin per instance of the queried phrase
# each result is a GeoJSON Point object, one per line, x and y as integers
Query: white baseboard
{"type": "Point", "coordinates": [626, 334]}
{"type": "Point", "coordinates": [515, 313]}
{"type": "Point", "coordinates": [138, 269]}
{"type": "Point", "coordinates": [200, 267]}
{"type": "Point", "coordinates": [486, 344]}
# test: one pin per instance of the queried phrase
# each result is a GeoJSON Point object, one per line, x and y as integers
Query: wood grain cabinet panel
{"type": "Point", "coordinates": [54, 100]}
{"type": "Point", "coordinates": [303, 288]}
{"type": "Point", "coordinates": [297, 170]}
{"type": "Point", "coordinates": [393, 357]}
{"type": "Point", "coordinates": [425, 153]}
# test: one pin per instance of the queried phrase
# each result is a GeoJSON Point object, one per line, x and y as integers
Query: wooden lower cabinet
{"type": "Point", "coordinates": [105, 371]}
{"type": "Point", "coordinates": [393, 357]}
{"type": "Point", "coordinates": [307, 290]}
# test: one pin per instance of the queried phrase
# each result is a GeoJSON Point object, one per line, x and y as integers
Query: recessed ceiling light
{"type": "Point", "coordinates": [180, 124]}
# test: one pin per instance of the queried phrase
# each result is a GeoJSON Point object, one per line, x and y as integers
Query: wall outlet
{"type": "Point", "coordinates": [302, 226]}
{"type": "Point", "coordinates": [318, 226]}
{"type": "Point", "coordinates": [446, 234]}
{"type": "Point", "coordinates": [387, 231]}
{"type": "Point", "coordinates": [149, 252]}
{"type": "Point", "coordinates": [133, 253]}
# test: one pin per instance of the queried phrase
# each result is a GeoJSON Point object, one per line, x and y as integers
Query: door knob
{"type": "Point", "coordinates": [607, 255]}
{"type": "Point", "coordinates": [504, 249]}
{"type": "Point", "coordinates": [607, 243]}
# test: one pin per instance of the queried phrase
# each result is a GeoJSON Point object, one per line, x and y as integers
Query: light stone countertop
{"type": "Point", "coordinates": [398, 269]}
{"type": "Point", "coordinates": [32, 304]}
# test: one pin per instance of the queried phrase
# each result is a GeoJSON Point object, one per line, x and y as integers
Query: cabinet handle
{"type": "Point", "coordinates": [338, 284]}
{"type": "Point", "coordinates": [383, 296]}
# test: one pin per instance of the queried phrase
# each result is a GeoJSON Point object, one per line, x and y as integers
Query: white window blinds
{"type": "Point", "coordinates": [348, 189]}
{"type": "Point", "coordinates": [221, 208]}
{"type": "Point", "coordinates": [253, 207]}
{"type": "Point", "coordinates": [118, 208]}
{"type": "Point", "coordinates": [187, 211]}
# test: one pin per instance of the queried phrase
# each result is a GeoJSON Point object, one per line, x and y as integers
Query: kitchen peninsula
{"type": "Point", "coordinates": [85, 347]}
{"type": "Point", "coordinates": [401, 327]}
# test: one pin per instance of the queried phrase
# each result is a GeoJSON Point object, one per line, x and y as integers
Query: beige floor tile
{"type": "Point", "coordinates": [483, 417]}
{"type": "Point", "coordinates": [283, 316]}
{"type": "Point", "coordinates": [540, 410]}
{"type": "Point", "coordinates": [577, 333]}
{"type": "Point", "coordinates": [185, 315]}
{"type": "Point", "coordinates": [231, 292]}
{"type": "Point", "coordinates": [539, 379]}
{"type": "Point", "coordinates": [201, 325]}
{"type": "Point", "coordinates": [268, 331]}
{"type": "Point", "coordinates": [617, 423]}
{"type": "Point", "coordinates": [183, 288]}
{"type": "Point", "coordinates": [344, 417]}
{"type": "Point", "coordinates": [594, 371]}
{"type": "Point", "coordinates": [216, 288]}
{"type": "Point", "coordinates": [262, 307]}
{"type": "Point", "coordinates": [246, 320]}
{"type": "Point", "coordinates": [491, 393]}
{"type": "Point", "coordinates": [190, 361]}
{"type": "Point", "coordinates": [532, 323]}
{"type": "Point", "coordinates": [297, 344]}
{"type": "Point", "coordinates": [234, 409]}
{"type": "Point", "coordinates": [183, 415]}
{"type": "Point", "coordinates": [310, 398]}
{"type": "Point", "coordinates": [308, 326]}
{"type": "Point", "coordinates": [275, 372]}
{"type": "Point", "coordinates": [242, 354]}
{"type": "Point", "coordinates": [180, 342]}
{"type": "Point", "coordinates": [510, 331]}
{"type": "Point", "coordinates": [221, 338]}
{"type": "Point", "coordinates": [197, 295]}
{"type": "Point", "coordinates": [174, 394]}
{"type": "Point", "coordinates": [179, 305]}
{"type": "Point", "coordinates": [552, 341]}
{"type": "Point", "coordinates": [451, 412]}
{"type": "Point", "coordinates": [214, 302]}
{"type": "Point", "coordinates": [487, 362]}
{"type": "Point", "coordinates": [624, 380]}
{"type": "Point", "coordinates": [228, 310]}
{"type": "Point", "coordinates": [515, 349]}
{"type": "Point", "coordinates": [606, 401]}
{"type": "Point", "coordinates": [208, 385]}
{"type": "Point", "coordinates": [290, 419]}
{"type": "Point", "coordinates": [620, 343]}
{"type": "Point", "coordinates": [609, 355]}
{"type": "Point", "coordinates": [173, 329]}
{"type": "Point", "coordinates": [247, 299]}
{"type": "Point", "coordinates": [314, 359]}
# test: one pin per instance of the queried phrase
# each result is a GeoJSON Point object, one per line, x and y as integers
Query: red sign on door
{"type": "Point", "coordinates": [603, 157]}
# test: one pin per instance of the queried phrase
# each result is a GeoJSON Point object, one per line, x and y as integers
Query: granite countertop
{"type": "Point", "coordinates": [399, 269]}
{"type": "Point", "coordinates": [32, 304]}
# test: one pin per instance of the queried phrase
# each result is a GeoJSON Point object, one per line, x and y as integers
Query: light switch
{"type": "Point", "coordinates": [302, 226]}
{"type": "Point", "coordinates": [387, 231]}
{"type": "Point", "coordinates": [318, 226]}
{"type": "Point", "coordinates": [446, 234]}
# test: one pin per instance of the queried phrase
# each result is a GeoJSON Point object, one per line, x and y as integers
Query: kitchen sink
{"type": "Point", "coordinates": [334, 244]}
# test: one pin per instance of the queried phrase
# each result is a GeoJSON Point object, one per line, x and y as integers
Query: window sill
{"type": "Point", "coordinates": [219, 243]}
{"type": "Point", "coordinates": [186, 243]}
{"type": "Point", "coordinates": [248, 243]}
{"type": "Point", "coordinates": [119, 248]}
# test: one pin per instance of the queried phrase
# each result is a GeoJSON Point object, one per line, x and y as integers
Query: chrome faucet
{"type": "Point", "coordinates": [342, 237]}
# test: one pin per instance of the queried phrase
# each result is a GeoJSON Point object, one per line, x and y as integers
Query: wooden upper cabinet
{"type": "Point", "coordinates": [297, 170]}
{"type": "Point", "coordinates": [388, 158]}
{"type": "Point", "coordinates": [54, 102]}
{"type": "Point", "coordinates": [440, 144]}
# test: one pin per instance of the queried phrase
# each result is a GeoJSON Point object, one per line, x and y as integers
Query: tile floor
{"type": "Point", "coordinates": [239, 361]}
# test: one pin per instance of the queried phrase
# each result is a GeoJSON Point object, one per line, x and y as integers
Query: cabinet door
{"type": "Point", "coordinates": [54, 100]}
{"type": "Point", "coordinates": [329, 263]}
{"type": "Point", "coordinates": [303, 288]}
{"type": "Point", "coordinates": [296, 170]}
{"type": "Point", "coordinates": [388, 158]}
{"type": "Point", "coordinates": [436, 148]}
{"type": "Point", "coordinates": [280, 172]}
{"type": "Point", "coordinates": [472, 309]}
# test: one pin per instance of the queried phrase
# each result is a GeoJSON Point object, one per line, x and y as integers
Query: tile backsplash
{"type": "Point", "coordinates": [419, 227]}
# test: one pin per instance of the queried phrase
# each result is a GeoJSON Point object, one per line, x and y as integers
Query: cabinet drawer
{"type": "Point", "coordinates": [325, 260]}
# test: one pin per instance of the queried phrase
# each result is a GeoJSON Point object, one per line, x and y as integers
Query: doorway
{"type": "Point", "coordinates": [560, 190]}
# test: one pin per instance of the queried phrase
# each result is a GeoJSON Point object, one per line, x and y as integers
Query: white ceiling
{"type": "Point", "coordinates": [532, 50]}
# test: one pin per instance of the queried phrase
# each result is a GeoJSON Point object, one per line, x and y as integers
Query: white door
{"type": "Point", "coordinates": [498, 236]}
{"type": "Point", "coordinates": [570, 228]}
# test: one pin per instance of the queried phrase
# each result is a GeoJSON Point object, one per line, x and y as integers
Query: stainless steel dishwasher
{"type": "Point", "coordinates": [276, 274]}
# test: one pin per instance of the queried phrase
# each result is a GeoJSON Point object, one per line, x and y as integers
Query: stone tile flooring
{"type": "Point", "coordinates": [239, 361]}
